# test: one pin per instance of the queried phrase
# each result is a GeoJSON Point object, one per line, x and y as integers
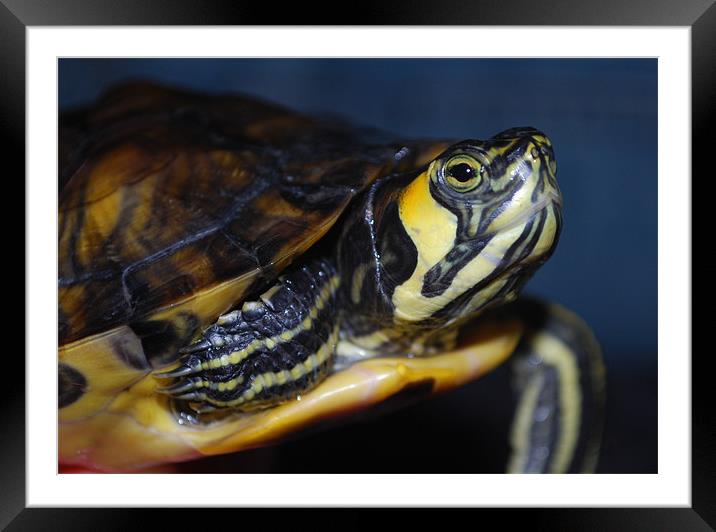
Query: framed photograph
{"type": "Point", "coordinates": [181, 174]}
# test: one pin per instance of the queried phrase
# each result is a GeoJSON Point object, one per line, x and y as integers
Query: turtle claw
{"type": "Point", "coordinates": [181, 371]}
{"type": "Point", "coordinates": [198, 346]}
{"type": "Point", "coordinates": [192, 396]}
{"type": "Point", "coordinates": [203, 409]}
{"type": "Point", "coordinates": [180, 387]}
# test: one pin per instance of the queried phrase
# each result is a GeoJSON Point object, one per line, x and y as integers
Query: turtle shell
{"type": "Point", "coordinates": [174, 206]}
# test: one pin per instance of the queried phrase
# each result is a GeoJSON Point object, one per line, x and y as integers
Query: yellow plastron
{"type": "Point", "coordinates": [137, 430]}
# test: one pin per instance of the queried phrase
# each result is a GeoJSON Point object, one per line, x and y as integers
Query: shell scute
{"type": "Point", "coordinates": [166, 195]}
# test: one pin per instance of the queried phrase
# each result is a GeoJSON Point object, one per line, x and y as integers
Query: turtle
{"type": "Point", "coordinates": [233, 273]}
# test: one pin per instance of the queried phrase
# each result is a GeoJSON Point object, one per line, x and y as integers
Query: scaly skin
{"type": "Point", "coordinates": [421, 253]}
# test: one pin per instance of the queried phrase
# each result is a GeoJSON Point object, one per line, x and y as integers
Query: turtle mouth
{"type": "Point", "coordinates": [550, 199]}
{"type": "Point", "coordinates": [538, 214]}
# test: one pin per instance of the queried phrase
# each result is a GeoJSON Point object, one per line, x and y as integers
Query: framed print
{"type": "Point", "coordinates": [161, 110]}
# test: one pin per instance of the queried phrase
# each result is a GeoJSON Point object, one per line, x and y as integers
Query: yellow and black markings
{"type": "Point", "coordinates": [273, 348]}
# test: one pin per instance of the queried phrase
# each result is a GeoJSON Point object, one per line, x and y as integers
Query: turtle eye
{"type": "Point", "coordinates": [463, 173]}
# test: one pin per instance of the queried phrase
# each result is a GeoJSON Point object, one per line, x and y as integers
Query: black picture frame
{"type": "Point", "coordinates": [699, 15]}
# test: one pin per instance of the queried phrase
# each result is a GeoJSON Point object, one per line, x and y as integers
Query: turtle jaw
{"type": "Point", "coordinates": [541, 223]}
{"type": "Point", "coordinates": [503, 267]}
{"type": "Point", "coordinates": [522, 247]}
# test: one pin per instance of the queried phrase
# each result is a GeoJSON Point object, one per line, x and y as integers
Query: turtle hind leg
{"type": "Point", "coordinates": [559, 381]}
{"type": "Point", "coordinates": [273, 349]}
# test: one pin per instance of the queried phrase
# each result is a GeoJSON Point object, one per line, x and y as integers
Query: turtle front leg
{"type": "Point", "coordinates": [559, 380]}
{"type": "Point", "coordinates": [269, 351]}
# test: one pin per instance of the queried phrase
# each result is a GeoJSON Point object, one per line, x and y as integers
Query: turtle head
{"type": "Point", "coordinates": [482, 216]}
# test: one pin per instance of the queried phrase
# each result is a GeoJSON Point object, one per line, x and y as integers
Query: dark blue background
{"type": "Point", "coordinates": [601, 115]}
